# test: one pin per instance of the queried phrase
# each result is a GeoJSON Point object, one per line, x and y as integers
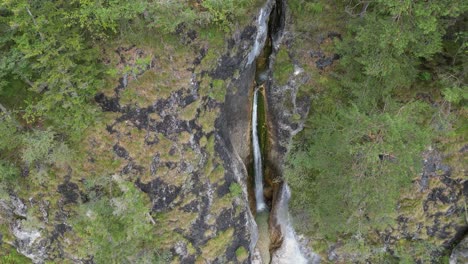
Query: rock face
{"type": "Point", "coordinates": [28, 240]}
{"type": "Point", "coordinates": [460, 253]}
{"type": "Point", "coordinates": [178, 128]}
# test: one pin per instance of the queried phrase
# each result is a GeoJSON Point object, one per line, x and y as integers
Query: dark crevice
{"type": "Point", "coordinates": [262, 82]}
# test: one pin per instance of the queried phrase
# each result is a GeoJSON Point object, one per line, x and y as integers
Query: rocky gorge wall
{"type": "Point", "coordinates": [167, 129]}
{"type": "Point", "coordinates": [178, 128]}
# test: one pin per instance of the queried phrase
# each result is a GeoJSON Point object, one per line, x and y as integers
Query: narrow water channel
{"type": "Point", "coordinates": [269, 211]}
{"type": "Point", "coordinates": [258, 169]}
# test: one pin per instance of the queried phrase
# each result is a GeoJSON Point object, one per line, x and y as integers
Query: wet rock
{"type": "Point", "coordinates": [120, 151]}
{"type": "Point", "coordinates": [227, 67]}
{"type": "Point", "coordinates": [154, 164]}
{"type": "Point", "coordinates": [460, 253]}
{"type": "Point", "coordinates": [324, 62]}
{"type": "Point", "coordinates": [223, 221]}
{"type": "Point", "coordinates": [268, 193]}
{"type": "Point", "coordinates": [333, 34]}
{"type": "Point", "coordinates": [59, 231]}
{"type": "Point", "coordinates": [161, 193]}
{"type": "Point", "coordinates": [132, 167]}
{"type": "Point", "coordinates": [191, 207]}
{"type": "Point", "coordinates": [106, 103]}
{"type": "Point", "coordinates": [69, 191]}
{"type": "Point", "coordinates": [464, 149]}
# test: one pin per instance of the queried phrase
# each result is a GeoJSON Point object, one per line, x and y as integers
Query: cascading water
{"type": "Point", "coordinates": [290, 251]}
{"type": "Point", "coordinates": [258, 174]}
{"type": "Point", "coordinates": [269, 27]}
{"type": "Point", "coordinates": [262, 32]}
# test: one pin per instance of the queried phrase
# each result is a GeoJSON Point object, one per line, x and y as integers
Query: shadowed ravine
{"type": "Point", "coordinates": [283, 248]}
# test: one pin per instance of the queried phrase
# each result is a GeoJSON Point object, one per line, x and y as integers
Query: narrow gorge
{"type": "Point", "coordinates": [277, 241]}
{"type": "Point", "coordinates": [225, 132]}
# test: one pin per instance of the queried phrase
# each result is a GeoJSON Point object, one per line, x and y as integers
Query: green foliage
{"type": "Point", "coordinates": [455, 95]}
{"type": "Point", "coordinates": [8, 177]}
{"type": "Point", "coordinates": [9, 138]}
{"type": "Point", "coordinates": [241, 254]}
{"type": "Point", "coordinates": [8, 172]}
{"type": "Point", "coordinates": [218, 92]}
{"type": "Point", "coordinates": [387, 44]}
{"type": "Point", "coordinates": [167, 16]}
{"type": "Point", "coordinates": [363, 139]}
{"type": "Point", "coordinates": [118, 229]}
{"type": "Point", "coordinates": [419, 251]}
{"type": "Point", "coordinates": [53, 48]}
{"type": "Point", "coordinates": [314, 8]}
{"type": "Point", "coordinates": [41, 147]}
{"type": "Point", "coordinates": [351, 155]}
{"type": "Point", "coordinates": [99, 17]}
{"type": "Point", "coordinates": [38, 145]}
{"type": "Point", "coordinates": [283, 67]}
{"type": "Point", "coordinates": [9, 255]}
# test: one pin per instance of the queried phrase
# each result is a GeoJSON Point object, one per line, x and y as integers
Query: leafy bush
{"type": "Point", "coordinates": [356, 164]}
{"type": "Point", "coordinates": [118, 229]}
{"type": "Point", "coordinates": [38, 144]}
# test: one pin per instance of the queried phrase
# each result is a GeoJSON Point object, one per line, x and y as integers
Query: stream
{"type": "Point", "coordinates": [258, 169]}
{"type": "Point", "coordinates": [289, 250]}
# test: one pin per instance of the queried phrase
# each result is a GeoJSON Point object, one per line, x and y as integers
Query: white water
{"type": "Point", "coordinates": [290, 251]}
{"type": "Point", "coordinates": [262, 32]}
{"type": "Point", "coordinates": [258, 173]}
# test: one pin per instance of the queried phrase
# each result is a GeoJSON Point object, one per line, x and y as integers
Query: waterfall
{"type": "Point", "coordinates": [257, 157]}
{"type": "Point", "coordinates": [290, 250]}
{"type": "Point", "coordinates": [262, 32]}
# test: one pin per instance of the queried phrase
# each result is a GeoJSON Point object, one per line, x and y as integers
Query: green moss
{"type": "Point", "coordinates": [207, 120]}
{"type": "Point", "coordinates": [148, 88]}
{"type": "Point", "coordinates": [241, 254]}
{"type": "Point", "coordinates": [9, 255]}
{"type": "Point", "coordinates": [218, 91]}
{"type": "Point", "coordinates": [262, 123]}
{"type": "Point", "coordinates": [217, 174]}
{"type": "Point", "coordinates": [235, 189]}
{"type": "Point", "coordinates": [296, 117]}
{"type": "Point", "coordinates": [210, 145]}
{"type": "Point", "coordinates": [203, 141]}
{"type": "Point", "coordinates": [214, 37]}
{"type": "Point", "coordinates": [283, 67]}
{"type": "Point", "coordinates": [205, 86]}
{"type": "Point", "coordinates": [15, 94]}
{"type": "Point", "coordinates": [217, 246]}
{"type": "Point", "coordinates": [210, 61]}
{"type": "Point", "coordinates": [190, 111]}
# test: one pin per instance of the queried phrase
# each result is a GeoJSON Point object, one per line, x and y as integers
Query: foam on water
{"type": "Point", "coordinates": [260, 201]}
{"type": "Point", "coordinates": [262, 32]}
{"type": "Point", "coordinates": [290, 251]}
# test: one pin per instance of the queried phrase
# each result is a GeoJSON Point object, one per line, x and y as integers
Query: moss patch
{"type": "Point", "coordinates": [218, 91]}
{"type": "Point", "coordinates": [207, 119]}
{"type": "Point", "coordinates": [241, 254]}
{"type": "Point", "coordinates": [283, 67]}
{"type": "Point", "coordinates": [216, 247]}
{"type": "Point", "coordinates": [9, 255]}
{"type": "Point", "coordinates": [190, 111]}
